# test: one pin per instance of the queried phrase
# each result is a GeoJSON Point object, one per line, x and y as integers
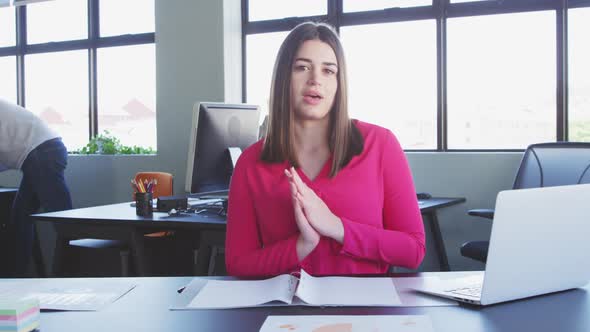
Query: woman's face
{"type": "Point", "coordinates": [314, 80]}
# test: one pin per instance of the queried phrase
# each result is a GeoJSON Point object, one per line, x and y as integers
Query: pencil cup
{"type": "Point", "coordinates": [143, 204]}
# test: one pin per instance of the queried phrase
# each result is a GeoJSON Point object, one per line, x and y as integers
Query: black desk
{"type": "Point", "coordinates": [145, 308]}
{"type": "Point", "coordinates": [428, 208]}
{"type": "Point", "coordinates": [119, 222]}
{"type": "Point", "coordinates": [7, 236]}
{"type": "Point", "coordinates": [7, 196]}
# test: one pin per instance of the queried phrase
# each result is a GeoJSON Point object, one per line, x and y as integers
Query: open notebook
{"type": "Point", "coordinates": [289, 290]}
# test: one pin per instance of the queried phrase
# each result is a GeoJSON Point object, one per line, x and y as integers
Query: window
{"type": "Point", "coordinates": [358, 6]}
{"type": "Point", "coordinates": [447, 74]}
{"type": "Point", "coordinates": [8, 78]}
{"type": "Point", "coordinates": [42, 19]}
{"type": "Point", "coordinates": [501, 91]}
{"type": "Point", "coordinates": [7, 27]}
{"type": "Point", "coordinates": [80, 79]}
{"type": "Point", "coordinates": [276, 9]}
{"type": "Point", "coordinates": [260, 56]}
{"type": "Point", "coordinates": [57, 92]}
{"type": "Point", "coordinates": [126, 94]}
{"type": "Point", "coordinates": [394, 85]}
{"type": "Point", "coordinates": [579, 75]}
{"type": "Point", "coordinates": [125, 17]}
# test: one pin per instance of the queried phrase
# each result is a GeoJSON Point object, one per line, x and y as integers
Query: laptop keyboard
{"type": "Point", "coordinates": [473, 290]}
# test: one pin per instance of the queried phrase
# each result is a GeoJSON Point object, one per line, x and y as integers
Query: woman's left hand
{"type": "Point", "coordinates": [317, 212]}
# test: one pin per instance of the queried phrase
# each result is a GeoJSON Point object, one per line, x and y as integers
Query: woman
{"type": "Point", "coordinates": [320, 192]}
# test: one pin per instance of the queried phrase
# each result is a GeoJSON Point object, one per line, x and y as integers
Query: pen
{"type": "Point", "coordinates": [180, 289]}
{"type": "Point", "coordinates": [141, 187]}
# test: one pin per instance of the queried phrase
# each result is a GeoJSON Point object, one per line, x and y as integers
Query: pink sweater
{"type": "Point", "coordinates": [373, 195]}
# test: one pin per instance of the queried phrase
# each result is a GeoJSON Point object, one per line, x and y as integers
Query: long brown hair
{"type": "Point", "coordinates": [345, 139]}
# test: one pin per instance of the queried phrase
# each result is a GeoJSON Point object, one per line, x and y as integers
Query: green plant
{"type": "Point", "coordinates": [106, 143]}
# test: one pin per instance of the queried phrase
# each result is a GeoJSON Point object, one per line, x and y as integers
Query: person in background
{"type": "Point", "coordinates": [320, 192]}
{"type": "Point", "coordinates": [29, 145]}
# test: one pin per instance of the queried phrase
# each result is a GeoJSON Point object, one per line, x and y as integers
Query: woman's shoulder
{"type": "Point", "coordinates": [380, 142]}
{"type": "Point", "coordinates": [252, 153]}
{"type": "Point", "coordinates": [250, 160]}
{"type": "Point", "coordinates": [373, 133]}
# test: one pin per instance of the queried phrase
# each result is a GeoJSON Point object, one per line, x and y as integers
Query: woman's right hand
{"type": "Point", "coordinates": [308, 236]}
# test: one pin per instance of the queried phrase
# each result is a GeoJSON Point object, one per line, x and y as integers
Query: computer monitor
{"type": "Point", "coordinates": [219, 133]}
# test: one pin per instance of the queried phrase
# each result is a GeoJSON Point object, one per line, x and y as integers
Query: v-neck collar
{"type": "Point", "coordinates": [324, 172]}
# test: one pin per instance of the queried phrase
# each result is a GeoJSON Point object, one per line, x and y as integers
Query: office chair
{"type": "Point", "coordinates": [163, 188]}
{"type": "Point", "coordinates": [542, 165]}
{"type": "Point", "coordinates": [165, 182]}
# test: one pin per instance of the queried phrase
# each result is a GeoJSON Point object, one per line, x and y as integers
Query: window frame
{"type": "Point", "coordinates": [92, 43]}
{"type": "Point", "coordinates": [440, 10]}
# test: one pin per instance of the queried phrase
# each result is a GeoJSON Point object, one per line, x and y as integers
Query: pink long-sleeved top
{"type": "Point", "coordinates": [373, 195]}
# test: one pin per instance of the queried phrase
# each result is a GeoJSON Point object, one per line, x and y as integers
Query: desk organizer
{"type": "Point", "coordinates": [19, 315]}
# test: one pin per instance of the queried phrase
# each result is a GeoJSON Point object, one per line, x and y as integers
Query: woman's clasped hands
{"type": "Point", "coordinates": [312, 215]}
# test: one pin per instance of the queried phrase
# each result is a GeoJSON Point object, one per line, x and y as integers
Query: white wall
{"type": "Point", "coordinates": [190, 67]}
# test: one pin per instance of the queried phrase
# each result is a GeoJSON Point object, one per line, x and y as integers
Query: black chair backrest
{"type": "Point", "coordinates": [554, 164]}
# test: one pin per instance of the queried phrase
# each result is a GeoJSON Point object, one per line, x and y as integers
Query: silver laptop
{"type": "Point", "coordinates": [540, 243]}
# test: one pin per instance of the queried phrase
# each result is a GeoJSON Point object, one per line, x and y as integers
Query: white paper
{"type": "Point", "coordinates": [381, 323]}
{"type": "Point", "coordinates": [323, 291]}
{"type": "Point", "coordinates": [197, 202]}
{"type": "Point", "coordinates": [234, 153]}
{"type": "Point", "coordinates": [67, 294]}
{"type": "Point", "coordinates": [217, 294]}
{"type": "Point", "coordinates": [347, 291]}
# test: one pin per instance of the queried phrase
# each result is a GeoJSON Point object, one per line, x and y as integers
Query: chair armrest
{"type": "Point", "coordinates": [484, 213]}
